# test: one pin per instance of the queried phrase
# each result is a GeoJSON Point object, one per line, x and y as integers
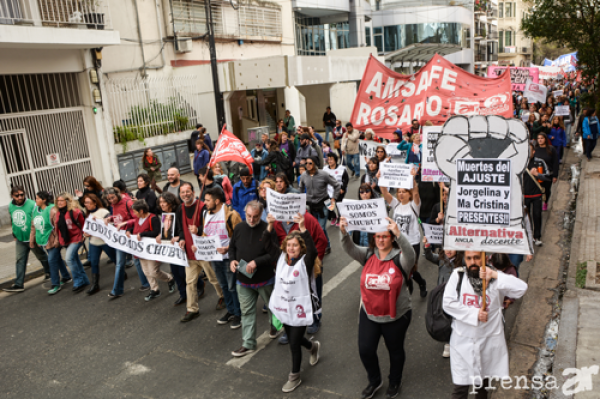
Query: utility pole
{"type": "Point", "coordinates": [213, 67]}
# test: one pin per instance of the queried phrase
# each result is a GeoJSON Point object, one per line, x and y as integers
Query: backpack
{"type": "Point", "coordinates": [438, 322]}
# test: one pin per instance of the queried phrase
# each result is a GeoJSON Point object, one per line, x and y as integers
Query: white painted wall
{"type": "Point", "coordinates": [17, 61]}
{"type": "Point", "coordinates": [317, 99]}
{"type": "Point", "coordinates": [342, 97]}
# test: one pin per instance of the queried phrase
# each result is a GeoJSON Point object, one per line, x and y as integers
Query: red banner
{"type": "Point", "coordinates": [230, 148]}
{"type": "Point", "coordinates": [388, 100]}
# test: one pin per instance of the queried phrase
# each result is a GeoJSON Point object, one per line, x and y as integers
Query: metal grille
{"type": "Point", "coordinates": [24, 93]}
{"type": "Point", "coordinates": [247, 21]}
{"type": "Point", "coordinates": [59, 13]}
{"type": "Point", "coordinates": [27, 139]}
{"type": "Point", "coordinates": [150, 107]}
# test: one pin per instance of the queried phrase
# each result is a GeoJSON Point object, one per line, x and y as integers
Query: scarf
{"type": "Point", "coordinates": [373, 177]}
{"type": "Point", "coordinates": [149, 161]}
{"type": "Point", "coordinates": [62, 225]}
{"type": "Point", "coordinates": [477, 283]}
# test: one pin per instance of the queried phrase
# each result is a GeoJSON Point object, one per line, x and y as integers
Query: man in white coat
{"type": "Point", "coordinates": [477, 345]}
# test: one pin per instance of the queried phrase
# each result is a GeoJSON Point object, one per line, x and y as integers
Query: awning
{"type": "Point", "coordinates": [422, 52]}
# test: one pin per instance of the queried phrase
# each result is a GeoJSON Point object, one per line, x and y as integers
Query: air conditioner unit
{"type": "Point", "coordinates": [183, 45]}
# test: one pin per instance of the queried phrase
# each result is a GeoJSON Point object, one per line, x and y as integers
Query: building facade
{"type": "Point", "coordinates": [486, 35]}
{"type": "Point", "coordinates": [515, 49]}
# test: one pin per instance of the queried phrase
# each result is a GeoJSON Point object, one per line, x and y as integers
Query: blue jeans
{"type": "Point", "coordinates": [95, 251]}
{"type": "Point", "coordinates": [516, 260]}
{"type": "Point", "coordinates": [354, 163]}
{"type": "Point", "coordinates": [74, 263]}
{"type": "Point", "coordinates": [22, 253]}
{"type": "Point", "coordinates": [57, 266]}
{"type": "Point", "coordinates": [118, 286]}
{"type": "Point", "coordinates": [328, 129]}
{"type": "Point", "coordinates": [323, 222]}
{"type": "Point", "coordinates": [227, 282]}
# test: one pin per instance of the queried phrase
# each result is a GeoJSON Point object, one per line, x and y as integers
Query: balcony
{"type": "Point", "coordinates": [51, 24]}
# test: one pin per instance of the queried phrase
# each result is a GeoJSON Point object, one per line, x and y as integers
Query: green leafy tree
{"type": "Point", "coordinates": [574, 24]}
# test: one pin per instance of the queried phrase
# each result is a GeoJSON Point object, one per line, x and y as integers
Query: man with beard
{"type": "Point", "coordinates": [257, 277]}
{"type": "Point", "coordinates": [21, 209]}
{"type": "Point", "coordinates": [173, 176]}
{"type": "Point", "coordinates": [477, 345]}
{"type": "Point", "coordinates": [190, 213]}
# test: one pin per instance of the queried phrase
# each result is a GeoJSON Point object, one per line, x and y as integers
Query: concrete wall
{"type": "Point", "coordinates": [317, 99]}
{"type": "Point", "coordinates": [18, 61]}
{"type": "Point", "coordinates": [342, 97]}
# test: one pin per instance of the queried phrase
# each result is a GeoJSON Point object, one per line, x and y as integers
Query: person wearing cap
{"type": "Point", "coordinates": [305, 150]}
{"type": "Point", "coordinates": [350, 148]}
{"type": "Point", "coordinates": [259, 152]}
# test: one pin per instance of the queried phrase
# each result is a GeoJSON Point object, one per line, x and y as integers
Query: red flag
{"type": "Point", "coordinates": [388, 100]}
{"type": "Point", "coordinates": [230, 148]}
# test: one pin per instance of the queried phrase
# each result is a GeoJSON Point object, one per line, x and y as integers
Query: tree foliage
{"type": "Point", "coordinates": [574, 24]}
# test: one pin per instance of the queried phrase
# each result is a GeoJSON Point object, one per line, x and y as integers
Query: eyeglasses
{"type": "Point", "coordinates": [19, 195]}
{"type": "Point", "coordinates": [309, 163]}
{"type": "Point", "coordinates": [385, 237]}
{"type": "Point", "coordinates": [379, 151]}
{"type": "Point", "coordinates": [364, 191]}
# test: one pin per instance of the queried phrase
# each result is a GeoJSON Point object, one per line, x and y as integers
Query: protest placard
{"type": "Point", "coordinates": [535, 92]}
{"type": "Point", "coordinates": [285, 206]}
{"type": "Point", "coordinates": [396, 175]}
{"type": "Point", "coordinates": [562, 110]}
{"type": "Point", "coordinates": [557, 93]}
{"type": "Point", "coordinates": [525, 117]}
{"type": "Point", "coordinates": [483, 191]}
{"type": "Point", "coordinates": [206, 248]}
{"type": "Point", "coordinates": [433, 232]}
{"type": "Point", "coordinates": [167, 226]}
{"type": "Point", "coordinates": [147, 248]}
{"type": "Point", "coordinates": [367, 215]}
{"type": "Point", "coordinates": [368, 149]}
{"type": "Point", "coordinates": [429, 169]}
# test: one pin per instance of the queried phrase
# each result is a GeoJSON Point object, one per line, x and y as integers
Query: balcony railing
{"type": "Point", "coordinates": [93, 14]}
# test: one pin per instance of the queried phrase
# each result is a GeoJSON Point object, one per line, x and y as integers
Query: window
{"type": "Point", "coordinates": [510, 10]}
{"type": "Point", "coordinates": [400, 36]}
{"type": "Point", "coordinates": [314, 38]}
{"type": "Point", "coordinates": [508, 39]}
{"type": "Point", "coordinates": [501, 10]}
{"type": "Point", "coordinates": [368, 35]}
{"type": "Point", "coordinates": [378, 36]}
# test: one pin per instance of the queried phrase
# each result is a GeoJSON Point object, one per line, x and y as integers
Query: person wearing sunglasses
{"type": "Point", "coordinates": [21, 210]}
{"type": "Point", "coordinates": [385, 308]}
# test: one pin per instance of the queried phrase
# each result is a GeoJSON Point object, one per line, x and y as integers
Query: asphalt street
{"type": "Point", "coordinates": [73, 346]}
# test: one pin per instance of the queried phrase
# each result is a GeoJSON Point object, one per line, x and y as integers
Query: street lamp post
{"type": "Point", "coordinates": [220, 108]}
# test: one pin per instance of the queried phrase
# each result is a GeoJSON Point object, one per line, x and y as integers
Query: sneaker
{"type": "Point", "coordinates": [236, 323]}
{"type": "Point", "coordinates": [144, 288]}
{"type": "Point", "coordinates": [129, 264]}
{"type": "Point", "coordinates": [370, 391]}
{"type": "Point", "coordinates": [221, 304]}
{"type": "Point", "coordinates": [227, 317]}
{"type": "Point", "coordinates": [114, 296]}
{"type": "Point", "coordinates": [292, 383]}
{"type": "Point", "coordinates": [47, 276]}
{"type": "Point", "coordinates": [538, 243]}
{"type": "Point", "coordinates": [152, 295]}
{"type": "Point", "coordinates": [334, 221]}
{"type": "Point", "coordinates": [265, 310]}
{"type": "Point", "coordinates": [66, 280]}
{"type": "Point", "coordinates": [54, 290]}
{"type": "Point", "coordinates": [338, 223]}
{"type": "Point", "coordinates": [242, 352]}
{"type": "Point", "coordinates": [283, 340]}
{"type": "Point", "coordinates": [171, 286]}
{"type": "Point", "coordinates": [446, 350]}
{"type": "Point", "coordinates": [314, 352]}
{"type": "Point", "coordinates": [392, 391]}
{"type": "Point", "coordinates": [273, 333]}
{"type": "Point", "coordinates": [14, 288]}
{"type": "Point", "coordinates": [314, 327]}
{"type": "Point", "coordinates": [423, 290]}
{"type": "Point", "coordinates": [544, 207]}
{"type": "Point", "coordinates": [327, 250]}
{"type": "Point", "coordinates": [189, 316]}
{"type": "Point", "coordinates": [87, 263]}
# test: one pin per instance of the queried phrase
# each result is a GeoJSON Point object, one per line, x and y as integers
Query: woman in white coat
{"type": "Point", "coordinates": [477, 345]}
{"type": "Point", "coordinates": [294, 299]}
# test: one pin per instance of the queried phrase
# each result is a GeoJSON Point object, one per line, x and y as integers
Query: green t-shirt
{"type": "Point", "coordinates": [42, 224]}
{"type": "Point", "coordinates": [21, 219]}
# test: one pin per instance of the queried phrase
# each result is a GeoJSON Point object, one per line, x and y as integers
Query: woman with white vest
{"type": "Point", "coordinates": [339, 173]}
{"type": "Point", "coordinates": [294, 299]}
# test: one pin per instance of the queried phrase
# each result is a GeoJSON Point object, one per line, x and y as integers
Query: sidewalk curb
{"type": "Point", "coordinates": [565, 356]}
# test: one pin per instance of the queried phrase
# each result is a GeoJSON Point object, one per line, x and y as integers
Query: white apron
{"type": "Point", "coordinates": [291, 298]}
{"type": "Point", "coordinates": [337, 174]}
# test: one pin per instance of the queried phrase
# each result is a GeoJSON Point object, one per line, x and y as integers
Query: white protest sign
{"type": "Point", "coordinates": [147, 248]}
{"type": "Point", "coordinates": [367, 215]}
{"type": "Point", "coordinates": [470, 237]}
{"type": "Point", "coordinates": [285, 206]}
{"type": "Point", "coordinates": [557, 93]}
{"type": "Point", "coordinates": [429, 169]}
{"type": "Point", "coordinates": [433, 232]}
{"type": "Point", "coordinates": [535, 92]}
{"type": "Point", "coordinates": [396, 175]}
{"type": "Point", "coordinates": [206, 247]}
{"type": "Point", "coordinates": [483, 191]}
{"type": "Point", "coordinates": [562, 110]}
{"type": "Point", "coordinates": [525, 117]}
{"type": "Point", "coordinates": [368, 149]}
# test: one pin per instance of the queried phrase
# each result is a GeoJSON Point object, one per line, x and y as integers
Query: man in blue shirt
{"type": "Point", "coordinates": [244, 191]}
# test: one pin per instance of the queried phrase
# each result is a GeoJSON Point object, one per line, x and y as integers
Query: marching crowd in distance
{"type": "Point", "coordinates": [275, 260]}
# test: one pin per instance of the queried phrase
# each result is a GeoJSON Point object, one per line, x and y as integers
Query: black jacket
{"type": "Point", "coordinates": [247, 243]}
{"type": "Point", "coordinates": [530, 188]}
{"type": "Point", "coordinates": [282, 164]}
{"type": "Point", "coordinates": [148, 195]}
{"type": "Point", "coordinates": [551, 159]}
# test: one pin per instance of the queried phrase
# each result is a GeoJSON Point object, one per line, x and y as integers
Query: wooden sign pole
{"type": "Point", "coordinates": [483, 296]}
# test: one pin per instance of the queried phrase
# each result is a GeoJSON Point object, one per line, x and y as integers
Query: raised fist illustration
{"type": "Point", "coordinates": [484, 137]}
